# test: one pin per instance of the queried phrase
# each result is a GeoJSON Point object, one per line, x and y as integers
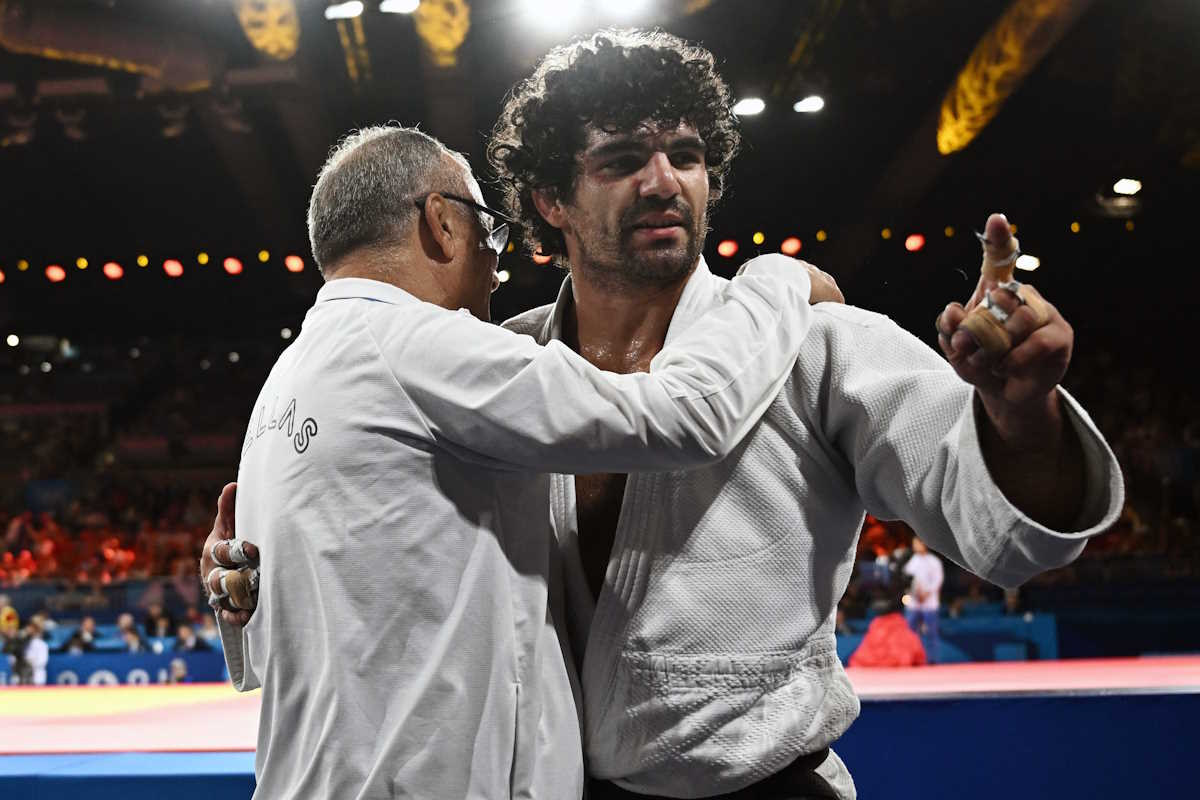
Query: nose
{"type": "Point", "coordinates": [659, 178]}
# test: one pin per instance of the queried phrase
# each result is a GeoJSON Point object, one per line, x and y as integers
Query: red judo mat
{"type": "Point", "coordinates": [213, 717]}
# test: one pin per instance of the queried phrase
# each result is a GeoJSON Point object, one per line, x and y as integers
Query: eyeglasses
{"type": "Point", "coordinates": [497, 237]}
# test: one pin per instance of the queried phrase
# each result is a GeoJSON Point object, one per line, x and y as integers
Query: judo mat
{"type": "Point", "coordinates": [1088, 728]}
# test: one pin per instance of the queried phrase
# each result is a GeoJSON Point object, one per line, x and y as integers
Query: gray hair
{"type": "Point", "coordinates": [364, 194]}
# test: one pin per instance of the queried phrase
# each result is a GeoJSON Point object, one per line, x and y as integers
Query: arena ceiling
{"type": "Point", "coordinates": [174, 127]}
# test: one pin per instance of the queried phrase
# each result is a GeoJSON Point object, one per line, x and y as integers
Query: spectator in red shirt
{"type": "Point", "coordinates": [889, 642]}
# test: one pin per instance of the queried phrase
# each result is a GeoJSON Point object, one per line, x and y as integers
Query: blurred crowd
{"type": "Point", "coordinates": [123, 532]}
{"type": "Point", "coordinates": [110, 475]}
{"type": "Point", "coordinates": [28, 646]}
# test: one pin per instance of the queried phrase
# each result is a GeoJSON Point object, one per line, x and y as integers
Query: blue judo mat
{"type": "Point", "coordinates": [1094, 746]}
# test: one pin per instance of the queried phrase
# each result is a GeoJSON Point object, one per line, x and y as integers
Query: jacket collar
{"type": "Point", "coordinates": [698, 295]}
{"type": "Point", "coordinates": [346, 288]}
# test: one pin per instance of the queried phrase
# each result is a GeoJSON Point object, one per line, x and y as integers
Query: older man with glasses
{"type": "Point", "coordinates": [497, 236]}
{"type": "Point", "coordinates": [393, 476]}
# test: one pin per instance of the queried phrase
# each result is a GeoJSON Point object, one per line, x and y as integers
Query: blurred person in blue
{"type": "Point", "coordinates": [393, 474]}
{"type": "Point", "coordinates": [83, 639]}
{"type": "Point", "coordinates": [186, 641]}
{"type": "Point", "coordinates": [923, 602]}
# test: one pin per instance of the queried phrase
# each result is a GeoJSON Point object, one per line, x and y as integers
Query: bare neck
{"type": "Point", "coordinates": [620, 329]}
{"type": "Point", "coordinates": [392, 268]}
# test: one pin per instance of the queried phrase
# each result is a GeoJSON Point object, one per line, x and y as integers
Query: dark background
{"type": "Point", "coordinates": [1118, 95]}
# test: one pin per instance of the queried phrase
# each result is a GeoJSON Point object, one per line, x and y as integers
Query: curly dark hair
{"type": "Point", "coordinates": [615, 79]}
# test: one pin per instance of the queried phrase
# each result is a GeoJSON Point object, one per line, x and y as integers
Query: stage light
{"type": "Point", "coordinates": [233, 266]}
{"type": "Point", "coordinates": [113, 271]}
{"type": "Point", "coordinates": [285, 334]}
{"type": "Point", "coordinates": [1, 276]}
{"type": "Point", "coordinates": [1128, 224]}
{"type": "Point", "coordinates": [46, 366]}
{"type": "Point", "coordinates": [135, 353]}
{"type": "Point", "coordinates": [622, 8]}
{"type": "Point", "coordinates": [948, 231]}
{"type": "Point", "coordinates": [399, 6]}
{"type": "Point", "coordinates": [553, 13]}
{"type": "Point", "coordinates": [348, 10]}
{"type": "Point", "coordinates": [234, 357]}
{"type": "Point", "coordinates": [759, 237]}
{"type": "Point", "coordinates": [749, 106]}
{"type": "Point", "coordinates": [1075, 227]}
{"type": "Point", "coordinates": [810, 105]}
{"type": "Point", "coordinates": [264, 256]}
{"type": "Point", "coordinates": [822, 235]}
{"type": "Point", "coordinates": [538, 258]}
{"type": "Point", "coordinates": [205, 363]}
{"type": "Point", "coordinates": [503, 276]}
{"type": "Point", "coordinates": [728, 248]}
{"type": "Point", "coordinates": [914, 242]}
{"type": "Point", "coordinates": [1128, 186]}
{"type": "Point", "coordinates": [13, 340]}
{"type": "Point", "coordinates": [1012, 228]}
{"type": "Point", "coordinates": [202, 258]}
{"type": "Point", "coordinates": [82, 263]}
{"type": "Point", "coordinates": [143, 261]}
{"type": "Point", "coordinates": [23, 369]}
{"type": "Point", "coordinates": [886, 233]}
{"type": "Point", "coordinates": [55, 273]}
{"type": "Point", "coordinates": [1027, 262]}
{"type": "Point", "coordinates": [22, 265]}
{"type": "Point", "coordinates": [173, 268]}
{"type": "Point", "coordinates": [294, 264]}
{"type": "Point", "coordinates": [790, 246]}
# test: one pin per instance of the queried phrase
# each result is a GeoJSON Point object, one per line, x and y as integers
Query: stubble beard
{"type": "Point", "coordinates": [610, 259]}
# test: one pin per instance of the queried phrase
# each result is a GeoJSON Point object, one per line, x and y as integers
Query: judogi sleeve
{"type": "Point", "coordinates": [907, 425]}
{"type": "Point", "coordinates": [492, 395]}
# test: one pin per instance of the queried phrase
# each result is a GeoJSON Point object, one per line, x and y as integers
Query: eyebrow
{"type": "Point", "coordinates": [629, 144]}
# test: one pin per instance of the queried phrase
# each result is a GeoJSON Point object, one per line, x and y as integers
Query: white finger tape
{"type": "Point", "coordinates": [237, 553]}
{"type": "Point", "coordinates": [215, 598]}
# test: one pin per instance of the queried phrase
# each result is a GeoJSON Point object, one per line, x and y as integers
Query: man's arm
{"type": "Point", "coordinates": [908, 427]}
{"type": "Point", "coordinates": [487, 393]}
{"type": "Point", "coordinates": [945, 449]}
{"type": "Point", "coordinates": [1034, 456]}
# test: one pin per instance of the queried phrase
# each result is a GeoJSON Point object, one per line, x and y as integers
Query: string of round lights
{"type": "Point", "coordinates": [791, 244]}
{"type": "Point", "coordinates": [113, 270]}
{"type": "Point", "coordinates": [914, 242]}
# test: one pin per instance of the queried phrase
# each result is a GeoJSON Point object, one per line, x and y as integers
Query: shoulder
{"type": "Point", "coordinates": [848, 334]}
{"type": "Point", "coordinates": [852, 352]}
{"type": "Point", "coordinates": [839, 316]}
{"type": "Point", "coordinates": [530, 322]}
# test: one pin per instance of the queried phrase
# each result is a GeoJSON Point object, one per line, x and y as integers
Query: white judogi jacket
{"type": "Point", "coordinates": [393, 476]}
{"type": "Point", "coordinates": [709, 660]}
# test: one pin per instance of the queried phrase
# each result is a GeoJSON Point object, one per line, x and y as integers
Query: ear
{"type": "Point", "coordinates": [547, 204]}
{"type": "Point", "coordinates": [441, 227]}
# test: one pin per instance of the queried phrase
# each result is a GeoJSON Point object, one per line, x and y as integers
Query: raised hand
{"type": "Point", "coordinates": [1008, 341]}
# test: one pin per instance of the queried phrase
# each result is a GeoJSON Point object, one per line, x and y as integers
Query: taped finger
{"type": "Point", "coordinates": [241, 586]}
{"type": "Point", "coordinates": [1032, 299]}
{"type": "Point", "coordinates": [986, 327]}
{"type": "Point", "coordinates": [214, 585]}
{"type": "Point", "coordinates": [234, 553]}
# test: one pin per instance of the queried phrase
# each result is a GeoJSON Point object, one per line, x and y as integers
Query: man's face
{"type": "Point", "coordinates": [638, 213]}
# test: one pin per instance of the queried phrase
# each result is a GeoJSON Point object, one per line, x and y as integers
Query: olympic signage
{"type": "Point", "coordinates": [105, 669]}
